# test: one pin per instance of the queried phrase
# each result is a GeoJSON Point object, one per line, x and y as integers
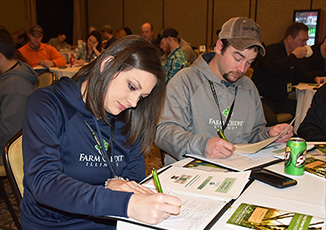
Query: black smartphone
{"type": "Point", "coordinates": [272, 178]}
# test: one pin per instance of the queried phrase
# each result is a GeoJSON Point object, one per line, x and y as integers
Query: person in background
{"type": "Point", "coordinates": [38, 53]}
{"type": "Point", "coordinates": [214, 93]}
{"type": "Point", "coordinates": [108, 37]}
{"type": "Point", "coordinates": [276, 72]}
{"type": "Point", "coordinates": [20, 37]}
{"type": "Point", "coordinates": [147, 31]}
{"type": "Point", "coordinates": [313, 127]}
{"type": "Point", "coordinates": [188, 51]}
{"type": "Point", "coordinates": [91, 29]}
{"type": "Point", "coordinates": [315, 65]}
{"type": "Point", "coordinates": [17, 81]}
{"type": "Point", "coordinates": [174, 59]}
{"type": "Point", "coordinates": [59, 42]}
{"type": "Point", "coordinates": [79, 132]}
{"type": "Point", "coordinates": [120, 34]}
{"type": "Point", "coordinates": [127, 30]}
{"type": "Point", "coordinates": [89, 51]}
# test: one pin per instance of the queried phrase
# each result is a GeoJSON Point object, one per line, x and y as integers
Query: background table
{"type": "Point", "coordinates": [304, 92]}
{"type": "Point", "coordinates": [66, 54]}
{"type": "Point", "coordinates": [67, 71]}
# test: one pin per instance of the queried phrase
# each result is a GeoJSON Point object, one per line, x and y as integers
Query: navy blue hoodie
{"type": "Point", "coordinates": [64, 172]}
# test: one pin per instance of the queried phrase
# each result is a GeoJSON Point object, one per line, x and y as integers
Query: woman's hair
{"type": "Point", "coordinates": [129, 52]}
{"type": "Point", "coordinates": [120, 34]}
{"type": "Point", "coordinates": [98, 37]}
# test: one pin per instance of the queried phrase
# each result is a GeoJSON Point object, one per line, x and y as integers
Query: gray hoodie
{"type": "Point", "coordinates": [191, 116]}
{"type": "Point", "coordinates": [15, 87]}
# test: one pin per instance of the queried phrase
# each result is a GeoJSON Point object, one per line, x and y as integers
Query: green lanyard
{"type": "Point", "coordinates": [216, 101]}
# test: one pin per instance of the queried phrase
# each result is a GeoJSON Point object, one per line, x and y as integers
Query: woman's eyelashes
{"type": "Point", "coordinates": [131, 87]}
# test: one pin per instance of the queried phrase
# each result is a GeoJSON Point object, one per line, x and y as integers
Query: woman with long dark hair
{"type": "Point", "coordinates": [84, 139]}
{"type": "Point", "coordinates": [90, 50]}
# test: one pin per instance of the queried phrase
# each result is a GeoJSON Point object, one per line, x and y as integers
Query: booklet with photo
{"type": "Point", "coordinates": [213, 185]}
{"type": "Point", "coordinates": [259, 217]}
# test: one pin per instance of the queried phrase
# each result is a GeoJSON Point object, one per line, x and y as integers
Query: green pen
{"type": "Point", "coordinates": [156, 181]}
{"type": "Point", "coordinates": [221, 134]}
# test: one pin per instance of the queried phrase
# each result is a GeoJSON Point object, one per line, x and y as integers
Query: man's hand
{"type": "Point", "coordinates": [277, 129]}
{"type": "Point", "coordinates": [46, 63]}
{"type": "Point", "coordinates": [300, 52]}
{"type": "Point", "coordinates": [320, 80]}
{"type": "Point", "coordinates": [219, 148]}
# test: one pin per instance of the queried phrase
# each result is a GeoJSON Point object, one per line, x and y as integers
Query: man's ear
{"type": "Point", "coordinates": [218, 47]}
{"type": "Point", "coordinates": [106, 61]}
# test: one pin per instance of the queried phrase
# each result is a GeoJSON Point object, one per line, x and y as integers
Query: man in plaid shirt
{"type": "Point", "coordinates": [174, 58]}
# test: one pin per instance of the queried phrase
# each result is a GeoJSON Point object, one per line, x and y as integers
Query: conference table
{"type": "Point", "coordinates": [66, 71]}
{"type": "Point", "coordinates": [307, 197]}
{"type": "Point", "coordinates": [304, 93]}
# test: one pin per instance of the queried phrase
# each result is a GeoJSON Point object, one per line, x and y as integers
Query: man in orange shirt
{"type": "Point", "coordinates": [37, 53]}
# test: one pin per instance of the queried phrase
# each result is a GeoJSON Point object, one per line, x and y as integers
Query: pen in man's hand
{"type": "Point", "coordinates": [221, 134]}
{"type": "Point", "coordinates": [156, 181]}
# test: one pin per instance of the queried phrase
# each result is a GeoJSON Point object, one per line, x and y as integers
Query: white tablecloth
{"type": "Point", "coordinates": [304, 92]}
{"type": "Point", "coordinates": [67, 71]}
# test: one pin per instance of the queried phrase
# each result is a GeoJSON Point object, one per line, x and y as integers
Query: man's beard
{"type": "Point", "coordinates": [227, 78]}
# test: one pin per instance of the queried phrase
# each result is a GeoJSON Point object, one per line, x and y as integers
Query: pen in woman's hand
{"type": "Point", "coordinates": [156, 181]}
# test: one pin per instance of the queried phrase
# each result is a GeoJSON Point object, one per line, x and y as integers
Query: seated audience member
{"type": "Point", "coordinates": [84, 139]}
{"type": "Point", "coordinates": [17, 81]}
{"type": "Point", "coordinates": [174, 59]}
{"type": "Point", "coordinates": [108, 37]}
{"type": "Point", "coordinates": [38, 53]}
{"type": "Point", "coordinates": [276, 72]}
{"type": "Point", "coordinates": [120, 34]}
{"type": "Point", "coordinates": [127, 30]}
{"type": "Point", "coordinates": [91, 29]}
{"type": "Point", "coordinates": [59, 42]}
{"type": "Point", "coordinates": [313, 127]}
{"type": "Point", "coordinates": [214, 93]}
{"type": "Point", "coordinates": [315, 65]}
{"type": "Point", "coordinates": [20, 37]}
{"type": "Point", "coordinates": [147, 31]}
{"type": "Point", "coordinates": [188, 51]}
{"type": "Point", "coordinates": [89, 51]}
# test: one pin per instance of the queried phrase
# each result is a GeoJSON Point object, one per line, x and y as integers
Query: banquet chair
{"type": "Point", "coordinates": [13, 164]}
{"type": "Point", "coordinates": [45, 79]}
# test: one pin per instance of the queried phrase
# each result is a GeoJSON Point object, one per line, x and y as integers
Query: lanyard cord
{"type": "Point", "coordinates": [109, 156]}
{"type": "Point", "coordinates": [219, 109]}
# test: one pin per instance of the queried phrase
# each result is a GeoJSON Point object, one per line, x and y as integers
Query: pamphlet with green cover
{"type": "Point", "coordinates": [263, 218]}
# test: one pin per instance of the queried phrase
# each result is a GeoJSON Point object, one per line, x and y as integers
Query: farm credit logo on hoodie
{"type": "Point", "coordinates": [97, 160]}
{"type": "Point", "coordinates": [231, 125]}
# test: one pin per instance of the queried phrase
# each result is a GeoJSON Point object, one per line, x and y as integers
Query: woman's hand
{"type": "Point", "coordinates": [153, 208]}
{"type": "Point", "coordinates": [128, 186]}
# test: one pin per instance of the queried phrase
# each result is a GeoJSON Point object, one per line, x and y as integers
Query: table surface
{"type": "Point", "coordinates": [67, 71]}
{"type": "Point", "coordinates": [307, 197]}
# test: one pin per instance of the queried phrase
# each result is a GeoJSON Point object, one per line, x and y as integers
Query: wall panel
{"type": "Point", "coordinates": [12, 14]}
{"type": "Point", "coordinates": [188, 18]}
{"type": "Point", "coordinates": [105, 12]}
{"type": "Point", "coordinates": [275, 16]}
{"type": "Point", "coordinates": [139, 12]}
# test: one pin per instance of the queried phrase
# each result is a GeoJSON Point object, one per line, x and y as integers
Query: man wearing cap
{"type": "Point", "coordinates": [174, 59]}
{"type": "Point", "coordinates": [214, 93]}
{"type": "Point", "coordinates": [38, 53]}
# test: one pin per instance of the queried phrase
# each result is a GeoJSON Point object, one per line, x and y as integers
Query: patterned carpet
{"type": "Point", "coordinates": [6, 222]}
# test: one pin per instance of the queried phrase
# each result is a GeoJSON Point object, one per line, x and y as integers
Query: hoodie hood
{"type": "Point", "coordinates": [25, 71]}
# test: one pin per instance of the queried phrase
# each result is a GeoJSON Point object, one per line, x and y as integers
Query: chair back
{"type": "Point", "coordinates": [13, 162]}
{"type": "Point", "coordinates": [45, 79]}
